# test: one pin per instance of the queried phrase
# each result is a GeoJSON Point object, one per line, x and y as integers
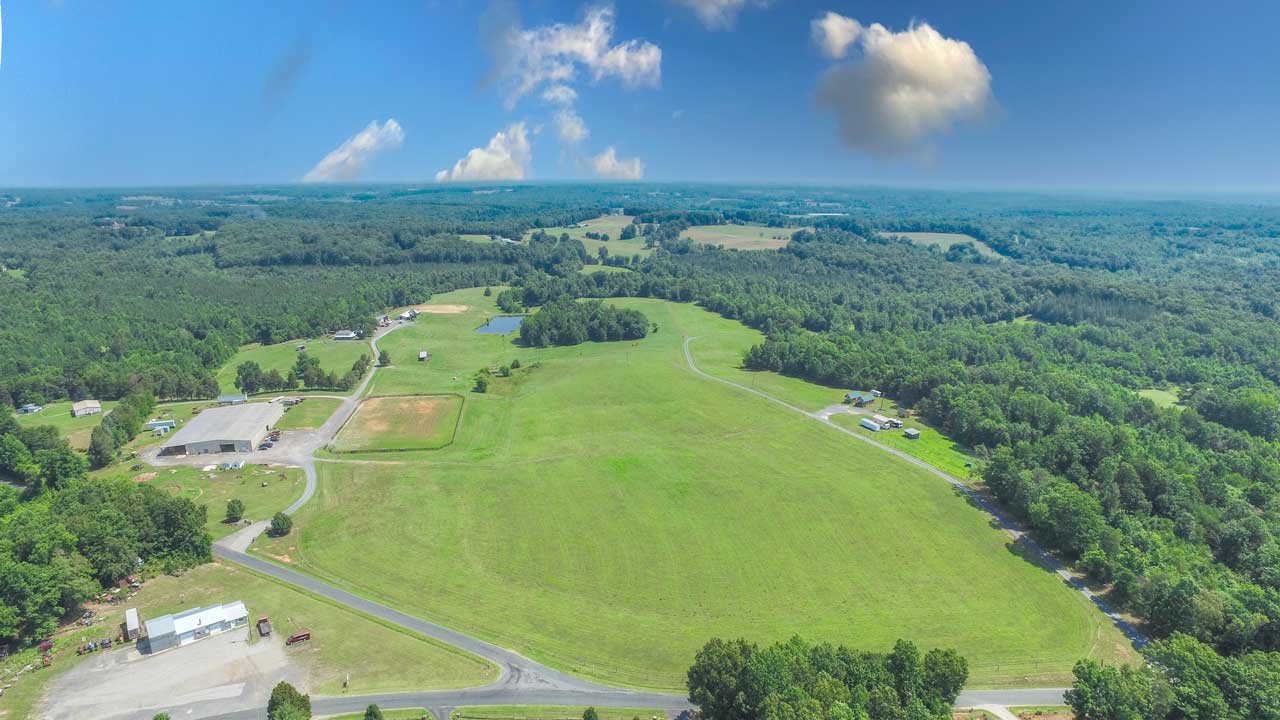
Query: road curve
{"type": "Point", "coordinates": [522, 681]}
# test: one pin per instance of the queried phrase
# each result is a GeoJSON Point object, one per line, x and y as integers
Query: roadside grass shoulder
{"type": "Point", "coordinates": [606, 511]}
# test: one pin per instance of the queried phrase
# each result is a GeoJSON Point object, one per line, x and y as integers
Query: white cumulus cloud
{"type": "Point", "coordinates": [904, 87]}
{"type": "Point", "coordinates": [834, 33]}
{"type": "Point", "coordinates": [348, 160]}
{"type": "Point", "coordinates": [720, 14]}
{"type": "Point", "coordinates": [570, 126]}
{"type": "Point", "coordinates": [608, 165]}
{"type": "Point", "coordinates": [528, 58]}
{"type": "Point", "coordinates": [506, 157]}
{"type": "Point", "coordinates": [560, 95]}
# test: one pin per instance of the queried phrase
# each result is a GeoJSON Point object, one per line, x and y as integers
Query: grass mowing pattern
{"type": "Point", "coordinates": [392, 424]}
{"type": "Point", "coordinates": [606, 511]}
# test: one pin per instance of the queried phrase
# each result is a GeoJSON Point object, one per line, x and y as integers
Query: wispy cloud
{"type": "Point", "coordinates": [720, 14]}
{"type": "Point", "coordinates": [506, 157]}
{"type": "Point", "coordinates": [348, 160]}
{"type": "Point", "coordinates": [608, 165]}
{"type": "Point", "coordinates": [570, 127]}
{"type": "Point", "coordinates": [904, 87]}
{"type": "Point", "coordinates": [528, 58]}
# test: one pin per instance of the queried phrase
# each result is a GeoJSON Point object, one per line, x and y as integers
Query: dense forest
{"type": "Point", "coordinates": [1032, 355]}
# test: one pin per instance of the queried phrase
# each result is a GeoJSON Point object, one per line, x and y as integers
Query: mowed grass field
{"type": "Point", "coordinates": [409, 422]}
{"type": "Point", "coordinates": [1161, 397]}
{"type": "Point", "coordinates": [263, 490]}
{"type": "Point", "coordinates": [75, 430]}
{"type": "Point", "coordinates": [335, 355]}
{"type": "Point", "coordinates": [741, 237]}
{"type": "Point", "coordinates": [607, 511]}
{"type": "Point", "coordinates": [942, 240]}
{"type": "Point", "coordinates": [308, 414]}
{"type": "Point", "coordinates": [610, 225]}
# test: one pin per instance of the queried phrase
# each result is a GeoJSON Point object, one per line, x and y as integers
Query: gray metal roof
{"type": "Point", "coordinates": [237, 422]}
{"type": "Point", "coordinates": [160, 626]}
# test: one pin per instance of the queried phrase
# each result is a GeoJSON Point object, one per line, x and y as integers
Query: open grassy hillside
{"type": "Point", "coordinates": [335, 355]}
{"type": "Point", "coordinates": [607, 511]}
{"type": "Point", "coordinates": [76, 430]}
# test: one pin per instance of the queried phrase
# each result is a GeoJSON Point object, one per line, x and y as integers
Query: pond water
{"type": "Point", "coordinates": [501, 325]}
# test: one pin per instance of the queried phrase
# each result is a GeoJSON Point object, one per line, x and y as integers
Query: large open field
{"type": "Point", "coordinates": [610, 225]}
{"type": "Point", "coordinates": [406, 422]}
{"type": "Point", "coordinates": [75, 430]}
{"type": "Point", "coordinates": [741, 237]}
{"type": "Point", "coordinates": [607, 511]}
{"type": "Point", "coordinates": [335, 355]}
{"type": "Point", "coordinates": [310, 413]}
{"type": "Point", "coordinates": [942, 240]}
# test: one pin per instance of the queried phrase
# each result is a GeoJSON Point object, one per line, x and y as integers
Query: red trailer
{"type": "Point", "coordinates": [298, 637]}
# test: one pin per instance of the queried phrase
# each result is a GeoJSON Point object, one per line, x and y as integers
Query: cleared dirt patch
{"type": "Point", "coordinates": [443, 309]}
{"type": "Point", "coordinates": [410, 422]}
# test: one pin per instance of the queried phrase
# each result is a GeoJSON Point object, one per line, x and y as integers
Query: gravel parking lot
{"type": "Point", "coordinates": [211, 677]}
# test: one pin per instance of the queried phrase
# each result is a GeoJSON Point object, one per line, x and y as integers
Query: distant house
{"type": "Point", "coordinates": [858, 398]}
{"type": "Point", "coordinates": [291, 401]}
{"type": "Point", "coordinates": [30, 408]}
{"type": "Point", "coordinates": [186, 627]}
{"type": "Point", "coordinates": [345, 335]}
{"type": "Point", "coordinates": [233, 399]}
{"type": "Point", "coordinates": [424, 356]}
{"type": "Point", "coordinates": [300, 347]}
{"type": "Point", "coordinates": [165, 425]}
{"type": "Point", "coordinates": [911, 434]}
{"type": "Point", "coordinates": [85, 408]}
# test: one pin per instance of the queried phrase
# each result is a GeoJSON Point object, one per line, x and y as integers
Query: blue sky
{"type": "Point", "coordinates": [1149, 96]}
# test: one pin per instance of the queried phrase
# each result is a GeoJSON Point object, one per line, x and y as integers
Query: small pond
{"type": "Point", "coordinates": [501, 325]}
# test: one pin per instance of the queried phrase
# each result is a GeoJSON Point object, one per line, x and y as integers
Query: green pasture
{"type": "Point", "coordinates": [932, 446]}
{"type": "Point", "coordinates": [606, 511]}
{"type": "Point", "coordinates": [335, 355]}
{"type": "Point", "coordinates": [610, 225]}
{"type": "Point", "coordinates": [1161, 397]}
{"type": "Point", "coordinates": [310, 413]}
{"type": "Point", "coordinates": [75, 430]}
{"type": "Point", "coordinates": [741, 237]}
{"type": "Point", "coordinates": [263, 490]}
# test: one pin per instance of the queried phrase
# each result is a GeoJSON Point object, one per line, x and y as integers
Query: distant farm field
{"type": "Point", "coordinates": [741, 237]}
{"type": "Point", "coordinates": [605, 510]}
{"type": "Point", "coordinates": [610, 225]}
{"type": "Point", "coordinates": [75, 430]}
{"type": "Point", "coordinates": [1162, 398]}
{"type": "Point", "coordinates": [335, 355]}
{"type": "Point", "coordinates": [413, 422]}
{"type": "Point", "coordinates": [942, 241]}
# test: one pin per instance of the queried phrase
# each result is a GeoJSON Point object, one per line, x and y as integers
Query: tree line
{"type": "Point", "coordinates": [566, 322]}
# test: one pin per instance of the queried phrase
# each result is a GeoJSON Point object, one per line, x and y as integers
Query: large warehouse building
{"type": "Point", "coordinates": [236, 428]}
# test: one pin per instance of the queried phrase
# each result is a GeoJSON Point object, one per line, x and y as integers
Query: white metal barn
{"type": "Point", "coordinates": [169, 631]}
{"type": "Point", "coordinates": [236, 428]}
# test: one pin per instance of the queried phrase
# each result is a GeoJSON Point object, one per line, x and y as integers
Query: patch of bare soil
{"type": "Point", "coordinates": [443, 309]}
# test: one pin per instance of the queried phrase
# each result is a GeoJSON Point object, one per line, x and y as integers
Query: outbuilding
{"type": "Point", "coordinates": [233, 399]}
{"type": "Point", "coordinates": [238, 428]}
{"type": "Point", "coordinates": [84, 408]}
{"type": "Point", "coordinates": [858, 398]}
{"type": "Point", "coordinates": [345, 335]}
{"type": "Point", "coordinates": [168, 631]}
{"type": "Point", "coordinates": [132, 627]}
{"type": "Point", "coordinates": [424, 356]}
{"type": "Point", "coordinates": [161, 424]}
{"type": "Point", "coordinates": [911, 434]}
{"type": "Point", "coordinates": [30, 408]}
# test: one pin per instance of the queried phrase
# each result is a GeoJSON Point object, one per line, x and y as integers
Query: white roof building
{"type": "Point", "coordinates": [234, 428]}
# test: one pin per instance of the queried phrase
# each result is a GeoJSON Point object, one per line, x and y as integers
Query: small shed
{"type": "Point", "coordinates": [424, 356]}
{"type": "Point", "coordinates": [233, 399]}
{"type": "Point", "coordinates": [85, 408]}
{"type": "Point", "coordinates": [30, 408]}
{"type": "Point", "coordinates": [911, 434]}
{"type": "Point", "coordinates": [869, 424]}
{"type": "Point", "coordinates": [132, 626]}
{"type": "Point", "coordinates": [161, 424]}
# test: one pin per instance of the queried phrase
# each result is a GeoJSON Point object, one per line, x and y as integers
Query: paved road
{"type": "Point", "coordinates": [523, 681]}
{"type": "Point", "coordinates": [1007, 524]}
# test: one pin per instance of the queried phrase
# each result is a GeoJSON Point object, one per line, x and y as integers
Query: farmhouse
{"type": "Point", "coordinates": [30, 408]}
{"type": "Point", "coordinates": [240, 428]}
{"type": "Point", "coordinates": [345, 335]}
{"type": "Point", "coordinates": [424, 356]}
{"type": "Point", "coordinates": [85, 408]}
{"type": "Point", "coordinates": [169, 631]}
{"type": "Point", "coordinates": [858, 398]}
{"type": "Point", "coordinates": [233, 399]}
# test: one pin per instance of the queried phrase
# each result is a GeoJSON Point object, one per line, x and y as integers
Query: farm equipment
{"type": "Point", "coordinates": [300, 636]}
{"type": "Point", "coordinates": [264, 626]}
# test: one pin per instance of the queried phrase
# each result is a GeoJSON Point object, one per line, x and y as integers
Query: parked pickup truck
{"type": "Point", "coordinates": [264, 626]}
